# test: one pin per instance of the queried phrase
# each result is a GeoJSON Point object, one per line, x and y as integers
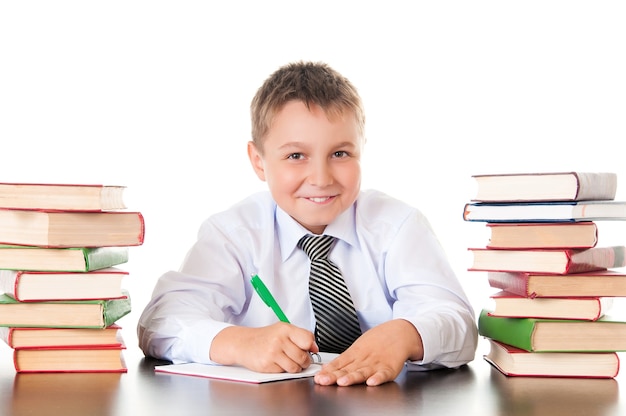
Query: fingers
{"type": "Point", "coordinates": [344, 377]}
{"type": "Point", "coordinates": [376, 357]}
{"type": "Point", "coordinates": [293, 359]}
{"type": "Point", "coordinates": [303, 339]}
{"type": "Point", "coordinates": [357, 366]}
{"type": "Point", "coordinates": [291, 346]}
{"type": "Point", "coordinates": [276, 348]}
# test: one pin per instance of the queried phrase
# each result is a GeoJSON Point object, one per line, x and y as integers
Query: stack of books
{"type": "Point", "coordinates": [61, 284]}
{"type": "Point", "coordinates": [550, 313]}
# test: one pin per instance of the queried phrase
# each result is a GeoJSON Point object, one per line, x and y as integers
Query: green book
{"type": "Point", "coordinates": [61, 259]}
{"type": "Point", "coordinates": [554, 335]}
{"type": "Point", "coordinates": [63, 314]}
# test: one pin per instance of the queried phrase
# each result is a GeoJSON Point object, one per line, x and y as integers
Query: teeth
{"type": "Point", "coordinates": [319, 199]}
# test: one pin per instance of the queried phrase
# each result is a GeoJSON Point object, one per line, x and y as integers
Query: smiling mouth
{"type": "Point", "coordinates": [320, 200]}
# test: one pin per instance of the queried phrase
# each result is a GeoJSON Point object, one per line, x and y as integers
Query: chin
{"type": "Point", "coordinates": [318, 226]}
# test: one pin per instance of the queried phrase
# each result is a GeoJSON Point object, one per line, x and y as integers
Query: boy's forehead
{"type": "Point", "coordinates": [333, 113]}
{"type": "Point", "coordinates": [294, 114]}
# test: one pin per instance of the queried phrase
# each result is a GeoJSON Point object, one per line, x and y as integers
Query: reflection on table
{"type": "Point", "coordinates": [476, 389]}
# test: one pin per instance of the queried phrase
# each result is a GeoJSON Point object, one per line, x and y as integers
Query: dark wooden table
{"type": "Point", "coordinates": [476, 389]}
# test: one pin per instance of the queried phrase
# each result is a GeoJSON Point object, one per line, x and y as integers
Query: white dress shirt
{"type": "Point", "coordinates": [389, 256]}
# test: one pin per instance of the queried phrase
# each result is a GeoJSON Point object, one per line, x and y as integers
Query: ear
{"type": "Point", "coordinates": [256, 160]}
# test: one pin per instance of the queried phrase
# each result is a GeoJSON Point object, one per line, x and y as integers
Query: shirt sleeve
{"type": "Point", "coordinates": [189, 307]}
{"type": "Point", "coordinates": [428, 294]}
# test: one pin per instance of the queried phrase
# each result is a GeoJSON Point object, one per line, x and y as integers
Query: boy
{"type": "Point", "coordinates": [307, 139]}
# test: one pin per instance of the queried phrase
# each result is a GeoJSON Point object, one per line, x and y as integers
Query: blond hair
{"type": "Point", "coordinates": [313, 83]}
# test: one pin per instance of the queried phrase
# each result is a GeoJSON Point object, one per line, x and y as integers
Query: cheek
{"type": "Point", "coordinates": [285, 179]}
{"type": "Point", "coordinates": [351, 175]}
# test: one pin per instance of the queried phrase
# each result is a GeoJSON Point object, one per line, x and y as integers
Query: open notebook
{"type": "Point", "coordinates": [234, 373]}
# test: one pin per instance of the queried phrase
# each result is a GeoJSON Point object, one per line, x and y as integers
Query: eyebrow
{"type": "Point", "coordinates": [346, 144]}
{"type": "Point", "coordinates": [292, 144]}
{"type": "Point", "coordinates": [301, 144]}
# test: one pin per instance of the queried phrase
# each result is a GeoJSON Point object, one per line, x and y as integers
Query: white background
{"type": "Point", "coordinates": [155, 95]}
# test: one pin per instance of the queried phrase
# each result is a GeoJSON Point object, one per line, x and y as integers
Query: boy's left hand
{"type": "Point", "coordinates": [376, 357]}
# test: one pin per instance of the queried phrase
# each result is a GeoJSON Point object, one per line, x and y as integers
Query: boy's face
{"type": "Point", "coordinates": [312, 165]}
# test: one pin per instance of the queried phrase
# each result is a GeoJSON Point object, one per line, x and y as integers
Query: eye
{"type": "Point", "coordinates": [295, 156]}
{"type": "Point", "coordinates": [340, 154]}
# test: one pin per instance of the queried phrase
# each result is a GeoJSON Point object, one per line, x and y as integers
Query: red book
{"type": "Point", "coordinates": [554, 261]}
{"type": "Point", "coordinates": [528, 235]}
{"type": "Point", "coordinates": [71, 229]}
{"type": "Point", "coordinates": [29, 286]}
{"type": "Point", "coordinates": [70, 360]}
{"type": "Point", "coordinates": [545, 186]}
{"type": "Point", "coordinates": [22, 338]}
{"type": "Point", "coordinates": [516, 362]}
{"type": "Point", "coordinates": [515, 306]}
{"type": "Point", "coordinates": [62, 197]}
{"type": "Point", "coordinates": [527, 284]}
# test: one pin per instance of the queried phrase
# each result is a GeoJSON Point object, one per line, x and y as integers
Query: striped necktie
{"type": "Point", "coordinates": [337, 325]}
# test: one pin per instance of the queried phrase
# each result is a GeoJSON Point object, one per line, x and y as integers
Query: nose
{"type": "Point", "coordinates": [320, 174]}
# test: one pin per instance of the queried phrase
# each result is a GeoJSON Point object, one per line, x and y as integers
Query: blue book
{"type": "Point", "coordinates": [545, 211]}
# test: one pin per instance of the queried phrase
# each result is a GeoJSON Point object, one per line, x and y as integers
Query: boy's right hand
{"type": "Point", "coordinates": [277, 348]}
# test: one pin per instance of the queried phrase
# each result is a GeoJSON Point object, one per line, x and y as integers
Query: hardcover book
{"type": "Point", "coordinates": [515, 362]}
{"type": "Point", "coordinates": [587, 284]}
{"type": "Point", "coordinates": [29, 286]}
{"type": "Point", "coordinates": [20, 338]}
{"type": "Point", "coordinates": [62, 314]}
{"type": "Point", "coordinates": [75, 359]}
{"type": "Point", "coordinates": [515, 306]}
{"type": "Point", "coordinates": [525, 235]}
{"type": "Point", "coordinates": [552, 335]}
{"type": "Point", "coordinates": [71, 229]}
{"type": "Point", "coordinates": [556, 261]}
{"type": "Point", "coordinates": [71, 259]}
{"type": "Point", "coordinates": [62, 197]}
{"type": "Point", "coordinates": [546, 211]}
{"type": "Point", "coordinates": [545, 186]}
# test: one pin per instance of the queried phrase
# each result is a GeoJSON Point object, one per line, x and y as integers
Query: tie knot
{"type": "Point", "coordinates": [316, 246]}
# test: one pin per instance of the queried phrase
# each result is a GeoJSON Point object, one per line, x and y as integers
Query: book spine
{"type": "Point", "coordinates": [16, 361]}
{"type": "Point", "coordinates": [8, 281]}
{"type": "Point", "coordinates": [602, 307]}
{"type": "Point", "coordinates": [115, 309]}
{"type": "Point", "coordinates": [6, 334]}
{"type": "Point", "coordinates": [101, 258]}
{"type": "Point", "coordinates": [512, 331]}
{"type": "Point", "coordinates": [597, 258]}
{"type": "Point", "coordinates": [596, 185]}
{"type": "Point", "coordinates": [611, 210]}
{"type": "Point", "coordinates": [112, 197]}
{"type": "Point", "coordinates": [516, 283]}
{"type": "Point", "coordinates": [142, 231]}
{"type": "Point", "coordinates": [619, 256]}
{"type": "Point", "coordinates": [16, 286]}
{"type": "Point", "coordinates": [574, 265]}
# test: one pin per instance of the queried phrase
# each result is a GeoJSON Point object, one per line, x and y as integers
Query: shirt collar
{"type": "Point", "coordinates": [290, 231]}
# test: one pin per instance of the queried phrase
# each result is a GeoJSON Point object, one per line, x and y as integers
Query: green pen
{"type": "Point", "coordinates": [267, 297]}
